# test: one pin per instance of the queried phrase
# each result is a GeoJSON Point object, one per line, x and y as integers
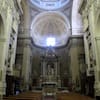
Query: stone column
{"type": "Point", "coordinates": [26, 66]}
{"type": "Point", "coordinates": [27, 52]}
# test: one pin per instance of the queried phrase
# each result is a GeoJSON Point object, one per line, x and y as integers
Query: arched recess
{"type": "Point", "coordinates": [1, 27]}
{"type": "Point", "coordinates": [50, 24]}
{"type": "Point", "coordinates": [77, 26]}
{"type": "Point", "coordinates": [98, 25]}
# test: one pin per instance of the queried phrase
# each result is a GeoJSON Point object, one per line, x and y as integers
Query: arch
{"type": "Point", "coordinates": [41, 15]}
{"type": "Point", "coordinates": [54, 24]}
{"type": "Point", "coordinates": [77, 26]}
{"type": "Point", "coordinates": [1, 27]}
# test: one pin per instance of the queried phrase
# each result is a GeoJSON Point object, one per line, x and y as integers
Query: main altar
{"type": "Point", "coordinates": [50, 73]}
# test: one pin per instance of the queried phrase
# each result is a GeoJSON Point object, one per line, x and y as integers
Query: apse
{"type": "Point", "coordinates": [50, 4]}
{"type": "Point", "coordinates": [52, 27]}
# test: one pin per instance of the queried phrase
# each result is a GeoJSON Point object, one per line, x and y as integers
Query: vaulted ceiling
{"type": "Point", "coordinates": [50, 4]}
{"type": "Point", "coordinates": [58, 19]}
{"type": "Point", "coordinates": [51, 24]}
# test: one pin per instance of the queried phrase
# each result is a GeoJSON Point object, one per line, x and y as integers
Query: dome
{"type": "Point", "coordinates": [50, 24]}
{"type": "Point", "coordinates": [50, 4]}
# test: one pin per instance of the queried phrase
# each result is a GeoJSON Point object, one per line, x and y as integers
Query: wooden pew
{"type": "Point", "coordinates": [72, 96]}
{"type": "Point", "coordinates": [38, 96]}
{"type": "Point", "coordinates": [25, 96]}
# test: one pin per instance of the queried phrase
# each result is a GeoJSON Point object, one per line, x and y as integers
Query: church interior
{"type": "Point", "coordinates": [49, 50]}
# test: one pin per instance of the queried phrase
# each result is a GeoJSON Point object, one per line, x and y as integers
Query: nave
{"type": "Point", "coordinates": [49, 49]}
